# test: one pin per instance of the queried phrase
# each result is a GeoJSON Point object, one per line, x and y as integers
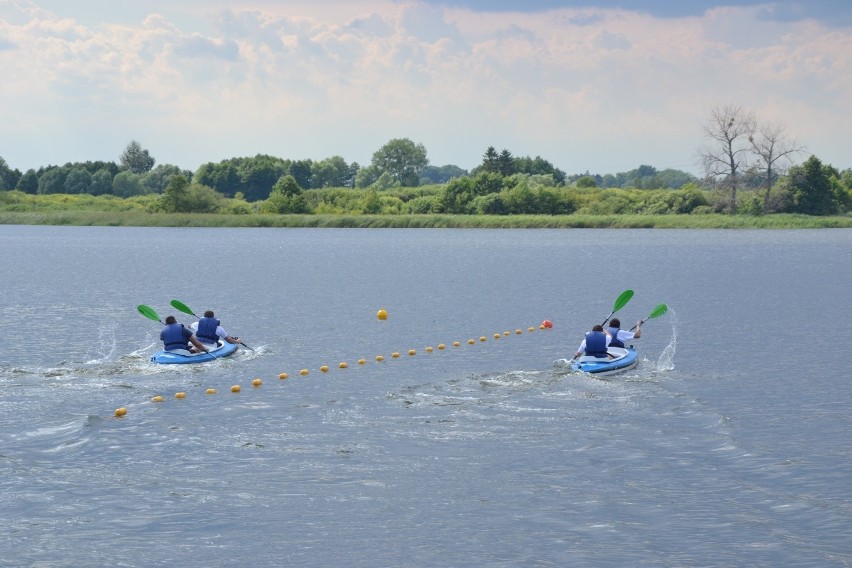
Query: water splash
{"type": "Point", "coordinates": [666, 360]}
{"type": "Point", "coordinates": [104, 348]}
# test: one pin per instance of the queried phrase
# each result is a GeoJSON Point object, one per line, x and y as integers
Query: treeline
{"type": "Point", "coordinates": [400, 180]}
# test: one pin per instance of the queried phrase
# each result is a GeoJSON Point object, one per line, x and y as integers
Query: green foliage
{"type": "Point", "coordinates": [586, 181]}
{"type": "Point", "coordinates": [331, 172]}
{"type": "Point", "coordinates": [128, 184]}
{"type": "Point", "coordinates": [52, 181]}
{"type": "Point", "coordinates": [442, 174]}
{"type": "Point", "coordinates": [402, 159]}
{"type": "Point", "coordinates": [29, 182]}
{"type": "Point", "coordinates": [424, 204]}
{"type": "Point", "coordinates": [8, 177]}
{"type": "Point", "coordinates": [286, 197]}
{"type": "Point", "coordinates": [78, 180]}
{"type": "Point", "coordinates": [812, 190]}
{"type": "Point", "coordinates": [385, 181]}
{"type": "Point", "coordinates": [136, 159]}
{"type": "Point", "coordinates": [175, 198]}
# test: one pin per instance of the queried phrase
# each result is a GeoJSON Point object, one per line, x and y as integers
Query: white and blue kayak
{"type": "Point", "coordinates": [183, 356]}
{"type": "Point", "coordinates": [620, 359]}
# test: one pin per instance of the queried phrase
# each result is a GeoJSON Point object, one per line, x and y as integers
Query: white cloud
{"type": "Point", "coordinates": [587, 89]}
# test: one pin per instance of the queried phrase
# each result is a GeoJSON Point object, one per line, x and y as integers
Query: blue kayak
{"type": "Point", "coordinates": [182, 356]}
{"type": "Point", "coordinates": [622, 359]}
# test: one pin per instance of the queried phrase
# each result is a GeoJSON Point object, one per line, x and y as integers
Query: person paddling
{"type": "Point", "coordinates": [620, 336]}
{"type": "Point", "coordinates": [175, 336]}
{"type": "Point", "coordinates": [209, 330]}
{"type": "Point", "coordinates": [595, 343]}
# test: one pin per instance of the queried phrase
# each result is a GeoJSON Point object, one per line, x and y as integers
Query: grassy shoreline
{"type": "Point", "coordinates": [139, 219]}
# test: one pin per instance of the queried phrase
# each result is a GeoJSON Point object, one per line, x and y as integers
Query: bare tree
{"type": "Point", "coordinates": [773, 151]}
{"type": "Point", "coordinates": [729, 129]}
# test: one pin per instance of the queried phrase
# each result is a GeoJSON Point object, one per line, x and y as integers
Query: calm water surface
{"type": "Point", "coordinates": [728, 446]}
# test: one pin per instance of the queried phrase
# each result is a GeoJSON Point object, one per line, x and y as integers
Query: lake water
{"type": "Point", "coordinates": [728, 446]}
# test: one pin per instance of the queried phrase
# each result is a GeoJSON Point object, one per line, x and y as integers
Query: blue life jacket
{"type": "Point", "coordinates": [615, 342]}
{"type": "Point", "coordinates": [207, 330]}
{"type": "Point", "coordinates": [175, 336]}
{"type": "Point", "coordinates": [596, 344]}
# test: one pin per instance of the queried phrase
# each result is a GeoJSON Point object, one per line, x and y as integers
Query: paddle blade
{"type": "Point", "coordinates": [148, 312]}
{"type": "Point", "coordinates": [181, 307]}
{"type": "Point", "coordinates": [658, 311]}
{"type": "Point", "coordinates": [622, 300]}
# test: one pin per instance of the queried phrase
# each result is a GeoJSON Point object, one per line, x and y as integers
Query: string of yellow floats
{"type": "Point", "coordinates": [381, 315]}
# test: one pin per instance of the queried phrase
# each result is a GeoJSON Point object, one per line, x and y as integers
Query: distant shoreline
{"type": "Point", "coordinates": [711, 221]}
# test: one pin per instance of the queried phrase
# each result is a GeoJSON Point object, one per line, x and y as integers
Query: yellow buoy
{"type": "Point", "coordinates": [395, 354]}
{"type": "Point", "coordinates": [362, 361]}
{"type": "Point", "coordinates": [157, 398]}
{"type": "Point", "coordinates": [256, 383]}
{"type": "Point", "coordinates": [518, 332]}
{"type": "Point", "coordinates": [412, 352]}
{"type": "Point", "coordinates": [506, 333]}
{"type": "Point", "coordinates": [441, 346]}
{"type": "Point", "coordinates": [235, 388]}
{"type": "Point", "coordinates": [304, 372]}
{"type": "Point", "coordinates": [496, 336]}
{"type": "Point", "coordinates": [324, 368]}
{"type": "Point", "coordinates": [428, 350]}
{"type": "Point", "coordinates": [531, 328]}
{"type": "Point", "coordinates": [482, 338]}
{"type": "Point", "coordinates": [343, 365]}
{"type": "Point", "coordinates": [210, 391]}
{"type": "Point", "coordinates": [471, 341]}
{"type": "Point", "coordinates": [382, 314]}
{"type": "Point", "coordinates": [380, 358]}
{"type": "Point", "coordinates": [283, 376]}
{"type": "Point", "coordinates": [456, 343]}
{"type": "Point", "coordinates": [120, 411]}
{"type": "Point", "coordinates": [180, 395]}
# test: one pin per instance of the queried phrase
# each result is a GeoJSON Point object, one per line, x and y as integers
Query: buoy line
{"type": "Point", "coordinates": [382, 315]}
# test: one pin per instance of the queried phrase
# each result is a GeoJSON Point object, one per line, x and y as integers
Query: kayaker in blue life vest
{"type": "Point", "coordinates": [595, 343]}
{"type": "Point", "coordinates": [175, 336]}
{"type": "Point", "coordinates": [209, 330]}
{"type": "Point", "coordinates": [620, 336]}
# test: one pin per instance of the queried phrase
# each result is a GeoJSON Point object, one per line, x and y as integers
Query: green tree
{"type": "Point", "coordinates": [136, 159]}
{"type": "Point", "coordinates": [158, 178]}
{"type": "Point", "coordinates": [301, 170]}
{"type": "Point", "coordinates": [259, 174]}
{"type": "Point", "coordinates": [811, 187]}
{"type": "Point", "coordinates": [366, 177]}
{"type": "Point", "coordinates": [52, 180]}
{"type": "Point", "coordinates": [223, 177]}
{"type": "Point", "coordinates": [286, 197]}
{"type": "Point", "coordinates": [506, 163]}
{"type": "Point", "coordinates": [442, 174]}
{"type": "Point", "coordinates": [331, 172]}
{"type": "Point", "coordinates": [175, 198]}
{"type": "Point", "coordinates": [101, 182]}
{"type": "Point", "coordinates": [490, 161]}
{"type": "Point", "coordinates": [586, 181]}
{"type": "Point", "coordinates": [78, 181]}
{"type": "Point", "coordinates": [128, 184]}
{"type": "Point", "coordinates": [8, 177]}
{"type": "Point", "coordinates": [403, 159]}
{"type": "Point", "coordinates": [28, 182]}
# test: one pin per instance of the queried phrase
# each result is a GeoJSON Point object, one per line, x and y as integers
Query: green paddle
{"type": "Point", "coordinates": [148, 313]}
{"type": "Point", "coordinates": [620, 302]}
{"type": "Point", "coordinates": [655, 313]}
{"type": "Point", "coordinates": [181, 307]}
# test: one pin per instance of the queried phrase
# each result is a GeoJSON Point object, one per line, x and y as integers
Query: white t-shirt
{"type": "Point", "coordinates": [220, 332]}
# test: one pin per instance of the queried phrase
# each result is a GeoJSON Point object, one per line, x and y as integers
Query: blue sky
{"type": "Point", "coordinates": [590, 86]}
